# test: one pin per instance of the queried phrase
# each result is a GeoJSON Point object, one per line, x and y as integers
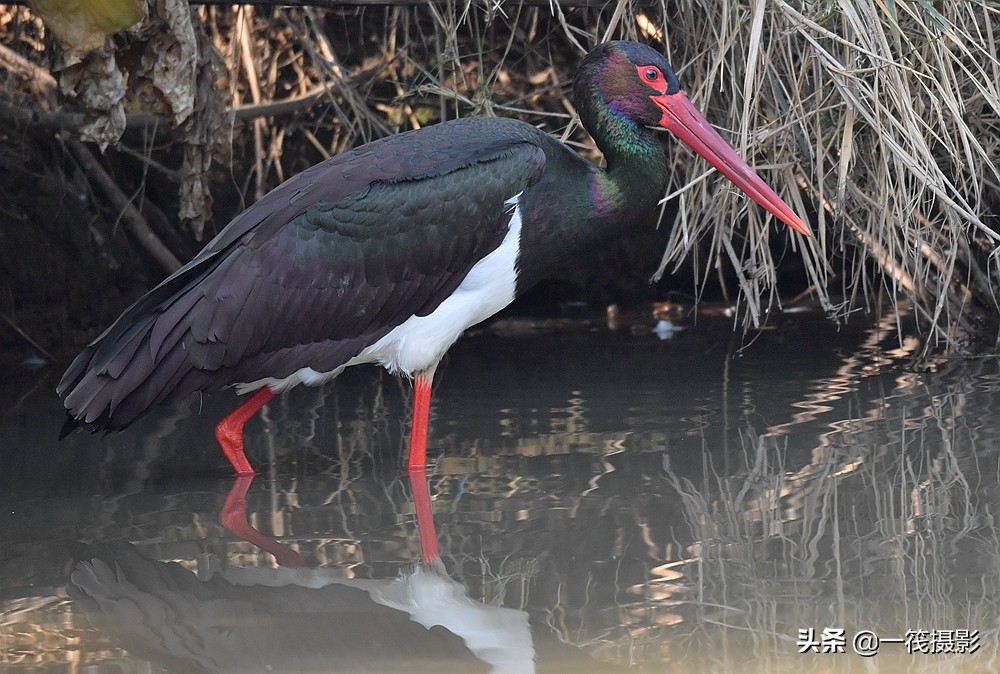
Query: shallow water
{"type": "Point", "coordinates": [685, 505]}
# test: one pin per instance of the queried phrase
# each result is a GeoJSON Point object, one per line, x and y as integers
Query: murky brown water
{"type": "Point", "coordinates": [602, 500]}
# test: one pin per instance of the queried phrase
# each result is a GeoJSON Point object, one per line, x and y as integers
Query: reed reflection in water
{"type": "Point", "coordinates": [664, 506]}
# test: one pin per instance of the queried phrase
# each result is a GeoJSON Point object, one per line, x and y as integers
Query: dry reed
{"type": "Point", "coordinates": [876, 120]}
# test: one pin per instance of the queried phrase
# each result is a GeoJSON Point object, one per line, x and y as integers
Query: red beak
{"type": "Point", "coordinates": [681, 118]}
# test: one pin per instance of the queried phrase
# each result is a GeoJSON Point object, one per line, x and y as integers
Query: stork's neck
{"type": "Point", "coordinates": [636, 174]}
{"type": "Point", "coordinates": [577, 207]}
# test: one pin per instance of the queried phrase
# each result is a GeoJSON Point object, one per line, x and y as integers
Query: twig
{"type": "Point", "coordinates": [39, 77]}
{"type": "Point", "coordinates": [73, 121]}
{"type": "Point", "coordinates": [70, 121]}
{"type": "Point", "coordinates": [173, 175]}
{"type": "Point", "coordinates": [131, 216]}
{"type": "Point", "coordinates": [244, 16]}
{"type": "Point", "coordinates": [26, 337]}
{"type": "Point", "coordinates": [323, 55]}
{"type": "Point", "coordinates": [287, 106]}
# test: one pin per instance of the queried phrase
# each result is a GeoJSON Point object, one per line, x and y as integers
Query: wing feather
{"type": "Point", "coordinates": [323, 266]}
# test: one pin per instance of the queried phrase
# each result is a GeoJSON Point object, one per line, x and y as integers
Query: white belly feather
{"type": "Point", "coordinates": [419, 342]}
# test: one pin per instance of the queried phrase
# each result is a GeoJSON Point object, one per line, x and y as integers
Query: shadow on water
{"type": "Point", "coordinates": [602, 500]}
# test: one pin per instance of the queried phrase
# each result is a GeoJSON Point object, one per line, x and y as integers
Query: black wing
{"type": "Point", "coordinates": [320, 268]}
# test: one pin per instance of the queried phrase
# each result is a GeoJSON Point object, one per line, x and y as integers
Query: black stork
{"type": "Point", "coordinates": [387, 253]}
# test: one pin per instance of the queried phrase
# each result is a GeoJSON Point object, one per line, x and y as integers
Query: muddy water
{"type": "Point", "coordinates": [601, 500]}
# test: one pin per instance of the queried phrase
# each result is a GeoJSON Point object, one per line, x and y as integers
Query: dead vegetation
{"type": "Point", "coordinates": [876, 121]}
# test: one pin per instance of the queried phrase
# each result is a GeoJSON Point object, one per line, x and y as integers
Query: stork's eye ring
{"type": "Point", "coordinates": [653, 77]}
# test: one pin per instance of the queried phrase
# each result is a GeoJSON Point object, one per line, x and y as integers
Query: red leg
{"type": "Point", "coordinates": [229, 432]}
{"type": "Point", "coordinates": [233, 519]}
{"type": "Point", "coordinates": [421, 419]}
{"type": "Point", "coordinates": [425, 515]}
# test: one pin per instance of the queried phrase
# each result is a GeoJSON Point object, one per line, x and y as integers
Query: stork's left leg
{"type": "Point", "coordinates": [421, 419]}
{"type": "Point", "coordinates": [229, 432]}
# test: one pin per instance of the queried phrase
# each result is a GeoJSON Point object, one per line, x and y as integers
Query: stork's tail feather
{"type": "Point", "coordinates": [141, 360]}
{"type": "Point", "coordinates": [70, 425]}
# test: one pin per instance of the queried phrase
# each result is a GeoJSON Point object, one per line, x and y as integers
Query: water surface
{"type": "Point", "coordinates": [602, 500]}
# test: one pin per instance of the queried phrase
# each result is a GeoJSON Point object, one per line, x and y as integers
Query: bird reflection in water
{"type": "Point", "coordinates": [162, 612]}
{"type": "Point", "coordinates": [293, 618]}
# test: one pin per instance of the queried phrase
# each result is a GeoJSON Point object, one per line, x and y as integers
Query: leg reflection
{"type": "Point", "coordinates": [233, 519]}
{"type": "Point", "coordinates": [425, 515]}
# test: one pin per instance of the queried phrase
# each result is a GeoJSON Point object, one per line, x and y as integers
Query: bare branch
{"type": "Point", "coordinates": [131, 216]}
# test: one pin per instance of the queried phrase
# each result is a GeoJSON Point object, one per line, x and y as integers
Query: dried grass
{"type": "Point", "coordinates": [885, 117]}
{"type": "Point", "coordinates": [876, 120]}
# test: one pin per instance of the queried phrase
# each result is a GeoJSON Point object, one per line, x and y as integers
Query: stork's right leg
{"type": "Point", "coordinates": [421, 420]}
